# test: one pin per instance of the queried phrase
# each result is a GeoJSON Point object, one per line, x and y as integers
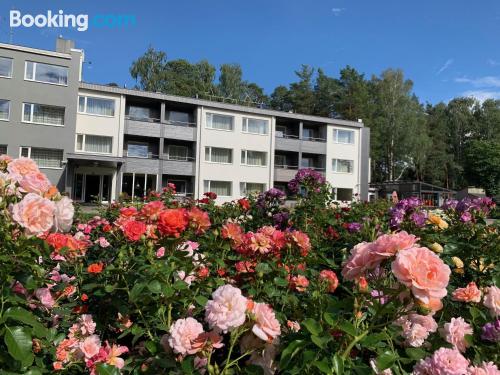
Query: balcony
{"type": "Point", "coordinates": [181, 166]}
{"type": "Point", "coordinates": [148, 127]}
{"type": "Point", "coordinates": [284, 173]}
{"type": "Point", "coordinates": [185, 131]}
{"type": "Point", "coordinates": [149, 165]}
{"type": "Point", "coordinates": [287, 142]}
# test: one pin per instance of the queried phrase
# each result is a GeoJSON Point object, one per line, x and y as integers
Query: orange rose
{"type": "Point", "coordinates": [172, 222]}
{"type": "Point", "coordinates": [95, 268]}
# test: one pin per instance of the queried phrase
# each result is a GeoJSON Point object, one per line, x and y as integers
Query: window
{"type": "Point", "coordinates": [251, 187]}
{"type": "Point", "coordinates": [5, 67]}
{"type": "Point", "coordinates": [253, 158]}
{"type": "Point", "coordinates": [3, 149]}
{"type": "Point", "coordinates": [279, 160]}
{"type": "Point", "coordinates": [219, 122]}
{"type": "Point", "coordinates": [343, 136]}
{"type": "Point", "coordinates": [96, 106]}
{"type": "Point", "coordinates": [255, 126]}
{"type": "Point", "coordinates": [142, 113]}
{"type": "Point", "coordinates": [137, 149]}
{"type": "Point", "coordinates": [342, 166]}
{"type": "Point", "coordinates": [46, 73]}
{"type": "Point", "coordinates": [181, 118]}
{"type": "Point", "coordinates": [43, 157]}
{"type": "Point", "coordinates": [221, 188]}
{"type": "Point", "coordinates": [180, 187]}
{"type": "Point", "coordinates": [306, 162]}
{"type": "Point", "coordinates": [4, 109]}
{"type": "Point", "coordinates": [219, 155]}
{"type": "Point", "coordinates": [344, 194]}
{"type": "Point", "coordinates": [176, 152]}
{"type": "Point", "coordinates": [94, 143]}
{"type": "Point", "coordinates": [138, 185]}
{"type": "Point", "coordinates": [43, 114]}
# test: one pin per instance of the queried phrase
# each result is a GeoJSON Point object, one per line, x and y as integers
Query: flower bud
{"type": "Point", "coordinates": [437, 248]}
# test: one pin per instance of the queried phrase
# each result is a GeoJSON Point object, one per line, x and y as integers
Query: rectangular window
{"type": "Point", "coordinates": [46, 73]}
{"type": "Point", "coordinates": [342, 166]}
{"type": "Point", "coordinates": [143, 114]}
{"type": "Point", "coordinates": [137, 150]}
{"type": "Point", "coordinates": [5, 67]}
{"type": "Point", "coordinates": [279, 160]}
{"type": "Point", "coordinates": [253, 158]}
{"type": "Point", "coordinates": [96, 106]}
{"type": "Point", "coordinates": [3, 149]}
{"type": "Point", "coordinates": [43, 114]}
{"type": "Point", "coordinates": [43, 157]}
{"type": "Point", "coordinates": [219, 155]}
{"type": "Point", "coordinates": [255, 126]}
{"type": "Point", "coordinates": [179, 118]}
{"type": "Point", "coordinates": [180, 186]}
{"type": "Point", "coordinates": [94, 143]}
{"type": "Point", "coordinates": [221, 188]}
{"type": "Point", "coordinates": [176, 152]}
{"type": "Point", "coordinates": [136, 185]}
{"type": "Point", "coordinates": [343, 136]}
{"type": "Point", "coordinates": [219, 122]}
{"type": "Point", "coordinates": [306, 162]}
{"type": "Point", "coordinates": [344, 194]}
{"type": "Point", "coordinates": [4, 109]}
{"type": "Point", "coordinates": [247, 188]}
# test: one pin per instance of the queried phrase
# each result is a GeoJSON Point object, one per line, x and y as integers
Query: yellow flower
{"type": "Point", "coordinates": [437, 220]}
{"type": "Point", "coordinates": [437, 248]}
{"type": "Point", "coordinates": [457, 262]}
{"type": "Point", "coordinates": [482, 267]}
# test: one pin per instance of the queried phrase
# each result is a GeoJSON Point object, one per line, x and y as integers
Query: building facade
{"type": "Point", "coordinates": [98, 141]}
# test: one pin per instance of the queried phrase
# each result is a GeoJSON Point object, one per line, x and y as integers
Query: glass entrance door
{"type": "Point", "coordinates": [90, 188]}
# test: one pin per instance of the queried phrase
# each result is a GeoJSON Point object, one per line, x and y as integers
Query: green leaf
{"type": "Point", "coordinates": [323, 366]}
{"type": "Point", "coordinates": [280, 281]}
{"type": "Point", "coordinates": [24, 316]}
{"type": "Point", "coordinates": [290, 351]}
{"type": "Point", "coordinates": [386, 360]}
{"type": "Point", "coordinates": [415, 353]}
{"type": "Point", "coordinates": [329, 319]}
{"type": "Point", "coordinates": [263, 267]}
{"type": "Point", "coordinates": [19, 344]}
{"type": "Point", "coordinates": [338, 364]}
{"type": "Point", "coordinates": [109, 288]}
{"type": "Point", "coordinates": [348, 328]}
{"type": "Point", "coordinates": [201, 300]}
{"type": "Point", "coordinates": [151, 346]}
{"type": "Point", "coordinates": [180, 285]}
{"type": "Point", "coordinates": [136, 291]}
{"type": "Point", "coordinates": [321, 341]}
{"type": "Point", "coordinates": [105, 369]}
{"type": "Point", "coordinates": [154, 286]}
{"type": "Point", "coordinates": [312, 326]}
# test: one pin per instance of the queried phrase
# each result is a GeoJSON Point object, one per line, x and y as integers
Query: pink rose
{"type": "Point", "coordinates": [45, 297]}
{"type": "Point", "coordinates": [486, 368]}
{"type": "Point", "coordinates": [444, 361]}
{"type": "Point", "coordinates": [227, 308]}
{"type": "Point", "coordinates": [90, 346]}
{"type": "Point", "coordinates": [423, 272]}
{"type": "Point", "coordinates": [492, 300]}
{"type": "Point", "coordinates": [362, 259]}
{"type": "Point", "coordinates": [183, 333]}
{"type": "Point", "coordinates": [36, 183]}
{"type": "Point", "coordinates": [470, 293]}
{"type": "Point", "coordinates": [64, 214]}
{"type": "Point", "coordinates": [416, 328]}
{"type": "Point", "coordinates": [454, 333]}
{"type": "Point", "coordinates": [388, 245]}
{"type": "Point", "coordinates": [103, 242]}
{"type": "Point", "coordinates": [21, 167]}
{"type": "Point", "coordinates": [34, 213]}
{"type": "Point", "coordinates": [160, 252]}
{"type": "Point", "coordinates": [266, 325]}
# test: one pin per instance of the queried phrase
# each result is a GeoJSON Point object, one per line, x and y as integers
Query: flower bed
{"type": "Point", "coordinates": [247, 287]}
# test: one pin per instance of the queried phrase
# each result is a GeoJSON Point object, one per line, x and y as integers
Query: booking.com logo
{"type": "Point", "coordinates": [80, 22]}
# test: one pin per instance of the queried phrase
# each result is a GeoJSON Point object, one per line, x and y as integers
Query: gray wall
{"type": "Point", "coordinates": [365, 162]}
{"type": "Point", "coordinates": [16, 133]}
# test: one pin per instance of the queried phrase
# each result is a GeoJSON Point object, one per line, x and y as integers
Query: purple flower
{"type": "Point", "coordinates": [449, 204]}
{"type": "Point", "coordinates": [465, 217]}
{"type": "Point", "coordinates": [491, 331]}
{"type": "Point", "coordinates": [281, 219]}
{"type": "Point", "coordinates": [306, 177]}
{"type": "Point", "coordinates": [379, 295]}
{"type": "Point", "coordinates": [419, 218]}
{"type": "Point", "coordinates": [271, 197]}
{"type": "Point", "coordinates": [353, 227]}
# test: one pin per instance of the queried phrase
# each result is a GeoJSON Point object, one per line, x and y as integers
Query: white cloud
{"type": "Point", "coordinates": [487, 81]}
{"type": "Point", "coordinates": [337, 11]}
{"type": "Point", "coordinates": [482, 95]}
{"type": "Point", "coordinates": [492, 62]}
{"type": "Point", "coordinates": [445, 66]}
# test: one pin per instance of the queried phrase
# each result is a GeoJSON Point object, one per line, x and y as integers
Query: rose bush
{"type": "Point", "coordinates": [163, 286]}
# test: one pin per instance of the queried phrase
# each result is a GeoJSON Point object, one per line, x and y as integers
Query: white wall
{"type": "Point", "coordinates": [237, 141]}
{"type": "Point", "coordinates": [103, 125]}
{"type": "Point", "coordinates": [346, 152]}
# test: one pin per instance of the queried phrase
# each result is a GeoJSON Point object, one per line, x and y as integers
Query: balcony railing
{"type": "Point", "coordinates": [150, 155]}
{"type": "Point", "coordinates": [313, 139]}
{"type": "Point", "coordinates": [280, 134]}
{"type": "Point", "coordinates": [142, 119]}
{"type": "Point", "coordinates": [286, 166]}
{"type": "Point", "coordinates": [178, 158]}
{"type": "Point", "coordinates": [181, 123]}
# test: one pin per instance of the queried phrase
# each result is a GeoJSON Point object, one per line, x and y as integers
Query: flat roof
{"type": "Point", "coordinates": [35, 51]}
{"type": "Point", "coordinates": [213, 104]}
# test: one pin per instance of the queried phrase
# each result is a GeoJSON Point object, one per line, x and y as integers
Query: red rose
{"type": "Point", "coordinates": [210, 195]}
{"type": "Point", "coordinates": [199, 220]}
{"type": "Point", "coordinates": [57, 240]}
{"type": "Point", "coordinates": [95, 268]}
{"type": "Point", "coordinates": [244, 203]}
{"type": "Point", "coordinates": [133, 230]}
{"type": "Point", "coordinates": [330, 278]}
{"type": "Point", "coordinates": [172, 222]}
{"type": "Point", "coordinates": [128, 212]}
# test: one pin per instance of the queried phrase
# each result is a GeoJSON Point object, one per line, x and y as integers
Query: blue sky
{"type": "Point", "coordinates": [447, 47]}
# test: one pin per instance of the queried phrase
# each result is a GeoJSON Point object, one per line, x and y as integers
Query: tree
{"type": "Point", "coordinates": [483, 165]}
{"type": "Point", "coordinates": [231, 84]}
{"type": "Point", "coordinates": [280, 99]}
{"type": "Point", "coordinates": [149, 70]}
{"type": "Point", "coordinates": [301, 92]}
{"type": "Point", "coordinates": [354, 99]}
{"type": "Point", "coordinates": [326, 93]}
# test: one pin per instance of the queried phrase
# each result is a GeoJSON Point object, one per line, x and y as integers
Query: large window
{"type": "Point", "coordinates": [253, 158]}
{"type": "Point", "coordinates": [5, 67]}
{"type": "Point", "coordinates": [4, 109]}
{"type": "Point", "coordinates": [221, 188]}
{"type": "Point", "coordinates": [96, 106]}
{"type": "Point", "coordinates": [46, 73]}
{"type": "Point", "coordinates": [255, 126]}
{"type": "Point", "coordinates": [94, 143]}
{"type": "Point", "coordinates": [3, 149]}
{"type": "Point", "coordinates": [342, 166]}
{"type": "Point", "coordinates": [180, 118]}
{"type": "Point", "coordinates": [219, 155]}
{"type": "Point", "coordinates": [343, 136]}
{"type": "Point", "coordinates": [137, 149]}
{"type": "Point", "coordinates": [251, 187]}
{"type": "Point", "coordinates": [177, 152]}
{"type": "Point", "coordinates": [343, 194]}
{"type": "Point", "coordinates": [138, 185]}
{"type": "Point", "coordinates": [219, 122]}
{"type": "Point", "coordinates": [43, 114]}
{"type": "Point", "coordinates": [43, 157]}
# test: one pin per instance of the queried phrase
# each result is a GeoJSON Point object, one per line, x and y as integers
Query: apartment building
{"type": "Point", "coordinates": [116, 141]}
